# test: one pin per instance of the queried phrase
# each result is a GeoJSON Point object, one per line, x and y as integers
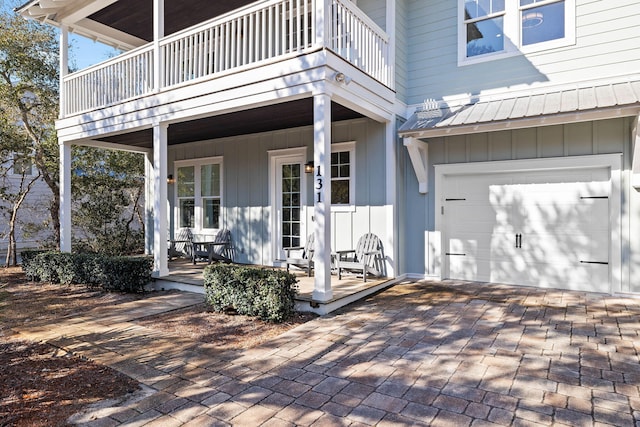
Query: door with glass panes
{"type": "Point", "coordinates": [289, 200]}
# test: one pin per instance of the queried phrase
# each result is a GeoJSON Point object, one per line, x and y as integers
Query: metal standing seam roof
{"type": "Point", "coordinates": [554, 101]}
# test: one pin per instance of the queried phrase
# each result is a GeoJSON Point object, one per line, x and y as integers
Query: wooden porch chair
{"type": "Point", "coordinates": [180, 245]}
{"type": "Point", "coordinates": [305, 260]}
{"type": "Point", "coordinates": [366, 258]}
{"type": "Point", "coordinates": [214, 250]}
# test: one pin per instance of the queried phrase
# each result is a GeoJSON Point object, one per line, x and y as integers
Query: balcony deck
{"type": "Point", "coordinates": [253, 36]}
{"type": "Point", "coordinates": [185, 276]}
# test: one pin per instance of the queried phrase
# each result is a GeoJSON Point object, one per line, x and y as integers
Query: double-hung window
{"type": "Point", "coordinates": [493, 29]}
{"type": "Point", "coordinates": [343, 174]}
{"type": "Point", "coordinates": [22, 165]}
{"type": "Point", "coordinates": [199, 193]}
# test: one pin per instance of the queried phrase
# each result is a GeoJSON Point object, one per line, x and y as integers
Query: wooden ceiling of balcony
{"type": "Point", "coordinates": [262, 119]}
{"type": "Point", "coordinates": [136, 17]}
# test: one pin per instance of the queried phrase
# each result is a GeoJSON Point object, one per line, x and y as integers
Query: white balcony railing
{"type": "Point", "coordinates": [244, 38]}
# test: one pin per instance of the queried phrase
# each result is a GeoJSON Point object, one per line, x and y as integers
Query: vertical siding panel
{"type": "Point", "coordinates": [578, 139]}
{"type": "Point", "coordinates": [551, 141]}
{"type": "Point", "coordinates": [500, 145]}
{"type": "Point", "coordinates": [478, 147]}
{"type": "Point", "coordinates": [524, 141]}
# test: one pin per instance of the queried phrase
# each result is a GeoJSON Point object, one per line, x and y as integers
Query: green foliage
{"type": "Point", "coordinates": [28, 109]}
{"type": "Point", "coordinates": [107, 188]}
{"type": "Point", "coordinates": [123, 274]}
{"type": "Point", "coordinates": [252, 291]}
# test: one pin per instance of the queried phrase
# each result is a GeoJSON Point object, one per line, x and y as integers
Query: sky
{"type": "Point", "coordinates": [83, 53]}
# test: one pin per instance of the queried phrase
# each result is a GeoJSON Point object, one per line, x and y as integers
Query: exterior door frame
{"type": "Point", "coordinates": [611, 161]}
{"type": "Point", "coordinates": [276, 157]}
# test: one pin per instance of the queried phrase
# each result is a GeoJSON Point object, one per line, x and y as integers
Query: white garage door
{"type": "Point", "coordinates": [547, 229]}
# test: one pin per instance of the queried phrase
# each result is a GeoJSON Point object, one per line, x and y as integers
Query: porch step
{"type": "Point", "coordinates": [303, 302]}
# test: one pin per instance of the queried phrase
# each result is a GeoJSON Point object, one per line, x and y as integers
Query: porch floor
{"type": "Point", "coordinates": [186, 276]}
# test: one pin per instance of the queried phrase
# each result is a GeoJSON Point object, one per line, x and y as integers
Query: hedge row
{"type": "Point", "coordinates": [123, 274]}
{"type": "Point", "coordinates": [252, 291]}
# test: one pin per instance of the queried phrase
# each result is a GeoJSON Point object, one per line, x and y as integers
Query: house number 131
{"type": "Point", "coordinates": [319, 185]}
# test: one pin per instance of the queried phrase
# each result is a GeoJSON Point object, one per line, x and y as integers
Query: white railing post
{"type": "Point", "coordinates": [322, 21]}
{"type": "Point", "coordinates": [64, 68]}
{"type": "Point", "coordinates": [158, 33]}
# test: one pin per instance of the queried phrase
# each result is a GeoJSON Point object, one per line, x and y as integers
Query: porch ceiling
{"type": "Point", "coordinates": [262, 119]}
{"type": "Point", "coordinates": [135, 17]}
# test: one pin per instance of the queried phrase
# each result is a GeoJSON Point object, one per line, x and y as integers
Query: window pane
{"type": "Point", "coordinates": [340, 192]}
{"type": "Point", "coordinates": [211, 214]}
{"type": "Point", "coordinates": [344, 157]}
{"type": "Point", "coordinates": [187, 213]}
{"type": "Point", "coordinates": [485, 37]}
{"type": "Point", "coordinates": [186, 181]}
{"type": "Point", "coordinates": [344, 171]}
{"type": "Point", "coordinates": [210, 178]}
{"type": "Point", "coordinates": [479, 8]}
{"type": "Point", "coordinates": [543, 23]}
{"type": "Point", "coordinates": [22, 166]}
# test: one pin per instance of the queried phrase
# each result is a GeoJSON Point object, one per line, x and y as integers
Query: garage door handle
{"type": "Point", "coordinates": [518, 240]}
{"type": "Point", "coordinates": [594, 262]}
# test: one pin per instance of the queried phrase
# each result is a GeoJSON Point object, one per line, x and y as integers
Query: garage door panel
{"type": "Point", "coordinates": [546, 228]}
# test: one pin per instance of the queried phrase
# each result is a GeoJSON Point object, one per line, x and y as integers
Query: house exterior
{"type": "Point", "coordinates": [31, 227]}
{"type": "Point", "coordinates": [480, 140]}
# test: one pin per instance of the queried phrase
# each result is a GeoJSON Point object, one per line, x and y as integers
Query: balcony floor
{"type": "Point", "coordinates": [188, 277]}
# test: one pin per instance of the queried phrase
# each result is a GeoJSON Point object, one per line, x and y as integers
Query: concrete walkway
{"type": "Point", "coordinates": [441, 354]}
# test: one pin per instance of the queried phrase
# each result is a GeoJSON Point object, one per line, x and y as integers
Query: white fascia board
{"type": "Point", "coordinates": [528, 122]}
{"type": "Point", "coordinates": [635, 163]}
{"type": "Point", "coordinates": [70, 16]}
{"type": "Point", "coordinates": [419, 155]}
{"type": "Point", "coordinates": [105, 34]}
{"type": "Point", "coordinates": [112, 146]}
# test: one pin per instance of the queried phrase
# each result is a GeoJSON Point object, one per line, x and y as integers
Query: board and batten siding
{"type": "Point", "coordinates": [607, 44]}
{"type": "Point", "coordinates": [577, 139]}
{"type": "Point", "coordinates": [33, 217]}
{"type": "Point", "coordinates": [246, 194]}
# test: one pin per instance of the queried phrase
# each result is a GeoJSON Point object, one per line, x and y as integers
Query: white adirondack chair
{"type": "Point", "coordinates": [366, 258]}
{"type": "Point", "coordinates": [305, 260]}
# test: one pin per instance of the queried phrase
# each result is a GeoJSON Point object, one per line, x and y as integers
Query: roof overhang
{"type": "Point", "coordinates": [544, 107]}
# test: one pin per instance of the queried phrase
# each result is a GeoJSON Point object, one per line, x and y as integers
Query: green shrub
{"type": "Point", "coordinates": [268, 294]}
{"type": "Point", "coordinates": [124, 274]}
{"type": "Point", "coordinates": [28, 266]}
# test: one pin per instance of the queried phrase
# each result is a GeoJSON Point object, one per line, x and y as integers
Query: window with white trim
{"type": "Point", "coordinates": [343, 174]}
{"type": "Point", "coordinates": [22, 165]}
{"type": "Point", "coordinates": [493, 29]}
{"type": "Point", "coordinates": [199, 193]}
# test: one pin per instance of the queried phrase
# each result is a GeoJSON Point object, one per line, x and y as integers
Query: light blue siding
{"type": "Point", "coordinates": [576, 139]}
{"type": "Point", "coordinates": [246, 193]}
{"type": "Point", "coordinates": [607, 44]}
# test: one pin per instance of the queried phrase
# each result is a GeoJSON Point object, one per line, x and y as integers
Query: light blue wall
{"type": "Point", "coordinates": [600, 137]}
{"type": "Point", "coordinates": [607, 44]}
{"type": "Point", "coordinates": [246, 204]}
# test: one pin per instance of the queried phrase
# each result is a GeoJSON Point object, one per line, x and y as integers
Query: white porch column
{"type": "Point", "coordinates": [160, 223]}
{"type": "Point", "coordinates": [64, 68]}
{"type": "Point", "coordinates": [322, 196]}
{"type": "Point", "coordinates": [158, 33]}
{"type": "Point", "coordinates": [391, 242]}
{"type": "Point", "coordinates": [148, 203]}
{"type": "Point", "coordinates": [65, 196]}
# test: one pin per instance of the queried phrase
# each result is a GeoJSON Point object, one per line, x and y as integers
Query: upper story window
{"type": "Point", "coordinates": [199, 193]}
{"type": "Point", "coordinates": [22, 165]}
{"type": "Point", "coordinates": [492, 29]}
{"type": "Point", "coordinates": [343, 174]}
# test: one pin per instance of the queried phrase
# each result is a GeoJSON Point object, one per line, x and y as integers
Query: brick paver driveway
{"type": "Point", "coordinates": [455, 354]}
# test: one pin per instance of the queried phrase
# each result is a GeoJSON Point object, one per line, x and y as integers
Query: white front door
{"type": "Point", "coordinates": [541, 228]}
{"type": "Point", "coordinates": [288, 196]}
